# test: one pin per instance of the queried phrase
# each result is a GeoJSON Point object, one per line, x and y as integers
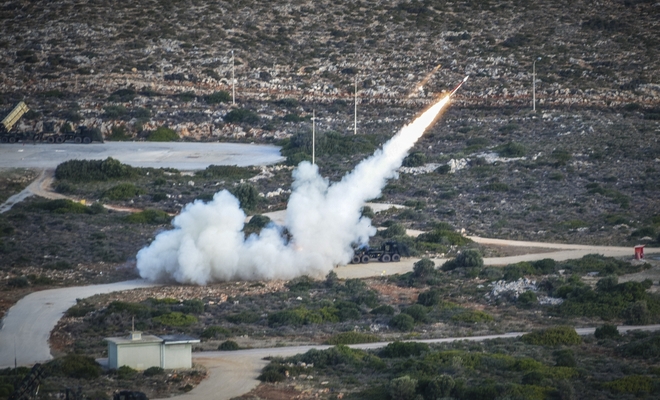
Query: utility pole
{"type": "Point", "coordinates": [534, 84]}
{"type": "Point", "coordinates": [233, 81]}
{"type": "Point", "coordinates": [356, 100]}
{"type": "Point", "coordinates": [313, 137]}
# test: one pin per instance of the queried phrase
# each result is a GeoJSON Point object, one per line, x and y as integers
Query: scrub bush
{"type": "Point", "coordinates": [560, 335]}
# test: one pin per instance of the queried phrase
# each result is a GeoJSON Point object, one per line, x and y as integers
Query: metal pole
{"type": "Point", "coordinates": [355, 117]}
{"type": "Point", "coordinates": [534, 84]}
{"type": "Point", "coordinates": [233, 81]}
{"type": "Point", "coordinates": [313, 137]}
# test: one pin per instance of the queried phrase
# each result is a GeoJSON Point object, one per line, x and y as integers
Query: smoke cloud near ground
{"type": "Point", "coordinates": [323, 221]}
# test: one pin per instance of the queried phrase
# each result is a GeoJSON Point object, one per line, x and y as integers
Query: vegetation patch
{"type": "Point", "coordinates": [352, 338]}
{"type": "Point", "coordinates": [556, 336]}
{"type": "Point", "coordinates": [93, 170]}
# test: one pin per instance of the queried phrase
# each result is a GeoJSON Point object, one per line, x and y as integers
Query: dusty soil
{"type": "Point", "coordinates": [270, 391]}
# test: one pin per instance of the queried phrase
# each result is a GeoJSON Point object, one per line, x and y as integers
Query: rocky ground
{"type": "Point", "coordinates": [141, 66]}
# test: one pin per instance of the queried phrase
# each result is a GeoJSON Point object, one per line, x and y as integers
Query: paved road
{"type": "Point", "coordinates": [183, 156]}
{"type": "Point", "coordinates": [563, 252]}
{"type": "Point", "coordinates": [27, 325]}
{"type": "Point", "coordinates": [234, 373]}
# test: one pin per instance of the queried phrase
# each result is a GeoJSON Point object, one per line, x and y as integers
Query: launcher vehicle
{"type": "Point", "coordinates": [389, 251]}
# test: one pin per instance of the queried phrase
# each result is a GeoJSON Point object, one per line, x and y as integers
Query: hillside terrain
{"type": "Point", "coordinates": [583, 168]}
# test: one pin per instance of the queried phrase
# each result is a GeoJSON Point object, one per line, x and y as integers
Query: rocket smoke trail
{"type": "Point", "coordinates": [207, 243]}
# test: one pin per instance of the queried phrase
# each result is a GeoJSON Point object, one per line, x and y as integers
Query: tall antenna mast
{"type": "Point", "coordinates": [356, 100]}
{"type": "Point", "coordinates": [233, 81]}
{"type": "Point", "coordinates": [313, 137]}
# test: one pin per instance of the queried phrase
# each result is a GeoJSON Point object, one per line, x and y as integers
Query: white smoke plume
{"type": "Point", "coordinates": [207, 243]}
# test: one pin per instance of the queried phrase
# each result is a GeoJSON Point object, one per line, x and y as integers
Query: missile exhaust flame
{"type": "Point", "coordinates": [323, 220]}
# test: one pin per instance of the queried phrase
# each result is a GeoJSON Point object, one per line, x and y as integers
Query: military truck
{"type": "Point", "coordinates": [388, 252]}
{"type": "Point", "coordinates": [82, 134]}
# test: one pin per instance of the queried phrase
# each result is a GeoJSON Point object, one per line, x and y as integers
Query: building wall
{"type": "Point", "coordinates": [177, 356]}
{"type": "Point", "coordinates": [137, 356]}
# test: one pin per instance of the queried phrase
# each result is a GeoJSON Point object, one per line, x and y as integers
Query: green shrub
{"type": "Point", "coordinates": [229, 345]}
{"type": "Point", "coordinates": [215, 331]}
{"type": "Point", "coordinates": [472, 316]}
{"type": "Point", "coordinates": [114, 112]}
{"type": "Point", "coordinates": [240, 115]}
{"type": "Point", "coordinates": [61, 206]}
{"type": "Point", "coordinates": [423, 268]}
{"type": "Point", "coordinates": [527, 299]}
{"type": "Point", "coordinates": [18, 282]}
{"type": "Point", "coordinates": [645, 347]}
{"type": "Point", "coordinates": [445, 237]}
{"type": "Point", "coordinates": [76, 366]}
{"type": "Point", "coordinates": [556, 336]}
{"type": "Point", "coordinates": [149, 216]}
{"type": "Point", "coordinates": [176, 319]}
{"type": "Point", "coordinates": [352, 338]}
{"type": "Point", "coordinates": [415, 159]}
{"type": "Point", "coordinates": [231, 172]}
{"type": "Point", "coordinates": [157, 197]}
{"type": "Point", "coordinates": [402, 322]}
{"type": "Point", "coordinates": [299, 146]}
{"type": "Point", "coordinates": [496, 187]}
{"type": "Point", "coordinates": [565, 358]}
{"type": "Point", "coordinates": [118, 133]}
{"type": "Point", "coordinates": [93, 170]}
{"type": "Point", "coordinates": [301, 316]}
{"type": "Point", "coordinates": [443, 169]}
{"type": "Point", "coordinates": [273, 372]}
{"type": "Point", "coordinates": [81, 309]}
{"type": "Point", "coordinates": [467, 259]}
{"type": "Point", "coordinates": [607, 332]}
{"type": "Point", "coordinates": [247, 195]}
{"type": "Point", "coordinates": [403, 349]}
{"type": "Point", "coordinates": [637, 313]}
{"type": "Point", "coordinates": [153, 371]}
{"type": "Point", "coordinates": [403, 388]}
{"type": "Point", "coordinates": [635, 384]}
{"type": "Point", "coordinates": [218, 97]}
{"type": "Point", "coordinates": [123, 191]}
{"type": "Point", "coordinates": [545, 266]}
{"type": "Point", "coordinates": [417, 311]}
{"type": "Point", "coordinates": [392, 231]}
{"type": "Point", "coordinates": [439, 387]}
{"type": "Point", "coordinates": [259, 221]}
{"type": "Point", "coordinates": [429, 298]}
{"type": "Point", "coordinates": [125, 372]}
{"type": "Point", "coordinates": [491, 273]}
{"type": "Point", "coordinates": [383, 310]}
{"type": "Point", "coordinates": [162, 134]}
{"type": "Point", "coordinates": [511, 150]}
{"type": "Point", "coordinates": [58, 266]}
{"type": "Point", "coordinates": [244, 317]}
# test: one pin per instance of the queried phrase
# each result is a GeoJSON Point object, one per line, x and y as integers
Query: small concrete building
{"type": "Point", "coordinates": [140, 351]}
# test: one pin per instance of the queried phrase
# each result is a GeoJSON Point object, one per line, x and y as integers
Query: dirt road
{"type": "Point", "coordinates": [39, 187]}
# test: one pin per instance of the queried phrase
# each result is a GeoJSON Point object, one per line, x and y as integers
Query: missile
{"type": "Point", "coordinates": [459, 85]}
